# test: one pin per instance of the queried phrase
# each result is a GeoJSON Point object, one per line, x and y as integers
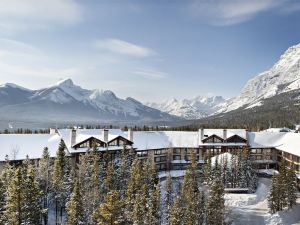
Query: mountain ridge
{"type": "Point", "coordinates": [100, 105]}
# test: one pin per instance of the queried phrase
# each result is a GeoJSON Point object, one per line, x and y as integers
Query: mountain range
{"type": "Point", "coordinates": [67, 102]}
{"type": "Point", "coordinates": [194, 108]}
{"type": "Point", "coordinates": [271, 95]}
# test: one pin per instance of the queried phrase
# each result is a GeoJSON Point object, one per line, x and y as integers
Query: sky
{"type": "Point", "coordinates": [151, 50]}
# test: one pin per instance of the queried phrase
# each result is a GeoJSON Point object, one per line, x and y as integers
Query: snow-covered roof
{"type": "Point", "coordinates": [285, 141]}
{"type": "Point", "coordinates": [282, 129]}
{"type": "Point", "coordinates": [84, 134]}
{"type": "Point", "coordinates": [144, 140]}
{"type": "Point", "coordinates": [230, 132]}
{"type": "Point", "coordinates": [18, 146]}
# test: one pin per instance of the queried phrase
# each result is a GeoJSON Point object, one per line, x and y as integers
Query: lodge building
{"type": "Point", "coordinates": [170, 150]}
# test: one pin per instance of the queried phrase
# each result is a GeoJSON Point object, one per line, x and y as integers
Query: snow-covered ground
{"type": "Point", "coordinates": [250, 209]}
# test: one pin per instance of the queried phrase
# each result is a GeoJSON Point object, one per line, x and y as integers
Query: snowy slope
{"type": "Point", "coordinates": [195, 108]}
{"type": "Point", "coordinates": [283, 77]}
{"type": "Point", "coordinates": [65, 101]}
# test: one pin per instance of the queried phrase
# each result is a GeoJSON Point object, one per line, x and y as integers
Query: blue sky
{"type": "Point", "coordinates": [149, 50]}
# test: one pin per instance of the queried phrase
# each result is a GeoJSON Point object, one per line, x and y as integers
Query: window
{"type": "Point", "coordinates": [162, 166]}
{"type": "Point", "coordinates": [176, 157]}
{"type": "Point", "coordinates": [160, 159]}
{"type": "Point", "coordinates": [160, 152]}
{"type": "Point", "coordinates": [176, 151]}
{"type": "Point", "coordinates": [258, 151]}
{"type": "Point", "coordinates": [268, 157]}
{"type": "Point", "coordinates": [258, 157]}
{"type": "Point", "coordinates": [84, 145]}
{"type": "Point", "coordinates": [113, 143]}
{"type": "Point", "coordinates": [142, 153]}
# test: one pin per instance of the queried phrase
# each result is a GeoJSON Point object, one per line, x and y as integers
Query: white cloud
{"type": "Point", "coordinates": [123, 47]}
{"type": "Point", "coordinates": [150, 74]}
{"type": "Point", "coordinates": [20, 15]}
{"type": "Point", "coordinates": [230, 12]}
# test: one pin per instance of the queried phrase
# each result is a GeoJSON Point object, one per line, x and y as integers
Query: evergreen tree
{"type": "Point", "coordinates": [134, 186]}
{"type": "Point", "coordinates": [61, 181]}
{"type": "Point", "coordinates": [216, 205]}
{"type": "Point", "coordinates": [32, 208]}
{"type": "Point", "coordinates": [176, 213]}
{"type": "Point", "coordinates": [292, 188]}
{"type": "Point", "coordinates": [14, 205]}
{"type": "Point", "coordinates": [111, 212]}
{"type": "Point", "coordinates": [153, 211]}
{"type": "Point", "coordinates": [110, 179]}
{"type": "Point", "coordinates": [44, 180]}
{"type": "Point", "coordinates": [168, 199]}
{"type": "Point", "coordinates": [74, 207]}
{"type": "Point", "coordinates": [2, 201]}
{"type": "Point", "coordinates": [140, 206]}
{"type": "Point", "coordinates": [273, 196]}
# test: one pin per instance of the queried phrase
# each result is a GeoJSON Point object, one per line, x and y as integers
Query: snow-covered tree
{"type": "Point", "coordinates": [292, 188]}
{"type": "Point", "coordinates": [32, 207]}
{"type": "Point", "coordinates": [14, 214]}
{"type": "Point", "coordinates": [215, 207]}
{"type": "Point", "coordinates": [44, 181]}
{"type": "Point", "coordinates": [176, 213]}
{"type": "Point", "coordinates": [74, 207]}
{"type": "Point", "coordinates": [61, 181]}
{"type": "Point", "coordinates": [111, 212]}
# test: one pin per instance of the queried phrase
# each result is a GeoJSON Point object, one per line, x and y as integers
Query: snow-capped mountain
{"type": "Point", "coordinates": [66, 101]}
{"type": "Point", "coordinates": [283, 77]}
{"type": "Point", "coordinates": [195, 108]}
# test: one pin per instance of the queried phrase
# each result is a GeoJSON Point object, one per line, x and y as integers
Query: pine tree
{"type": "Point", "coordinates": [153, 211]}
{"type": "Point", "coordinates": [140, 207]}
{"type": "Point", "coordinates": [168, 199]}
{"type": "Point", "coordinates": [134, 186]}
{"type": "Point", "coordinates": [74, 207]}
{"type": "Point", "coordinates": [111, 212]}
{"type": "Point", "coordinates": [61, 180]}
{"type": "Point", "coordinates": [32, 208]}
{"type": "Point", "coordinates": [216, 204]}
{"type": "Point", "coordinates": [292, 188]}
{"type": "Point", "coordinates": [44, 180]}
{"type": "Point", "coordinates": [2, 201]}
{"type": "Point", "coordinates": [176, 213]}
{"type": "Point", "coordinates": [14, 205]}
{"type": "Point", "coordinates": [282, 186]}
{"type": "Point", "coordinates": [207, 168]}
{"type": "Point", "coordinates": [273, 196]}
{"type": "Point", "coordinates": [109, 181]}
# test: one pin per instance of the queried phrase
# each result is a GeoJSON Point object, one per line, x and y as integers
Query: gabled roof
{"type": "Point", "coordinates": [90, 138]}
{"type": "Point", "coordinates": [230, 132]}
{"type": "Point", "coordinates": [84, 134]}
{"type": "Point", "coordinates": [212, 136]}
{"type": "Point", "coordinates": [120, 137]}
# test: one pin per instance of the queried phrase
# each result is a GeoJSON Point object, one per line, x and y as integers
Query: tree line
{"type": "Point", "coordinates": [98, 189]}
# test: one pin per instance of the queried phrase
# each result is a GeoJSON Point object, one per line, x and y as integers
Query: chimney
{"type": "Point", "coordinates": [130, 134]}
{"type": "Point", "coordinates": [225, 134]}
{"type": "Point", "coordinates": [73, 137]}
{"type": "Point", "coordinates": [105, 135]}
{"type": "Point", "coordinates": [201, 135]}
{"type": "Point", "coordinates": [53, 131]}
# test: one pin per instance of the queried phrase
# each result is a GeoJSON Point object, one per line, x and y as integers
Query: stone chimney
{"type": "Point", "coordinates": [130, 134]}
{"type": "Point", "coordinates": [105, 135]}
{"type": "Point", "coordinates": [73, 137]}
{"type": "Point", "coordinates": [225, 134]}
